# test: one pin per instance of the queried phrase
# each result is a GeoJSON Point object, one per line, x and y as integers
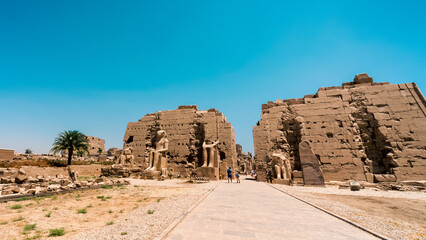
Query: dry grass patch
{"type": "Point", "coordinates": [62, 214]}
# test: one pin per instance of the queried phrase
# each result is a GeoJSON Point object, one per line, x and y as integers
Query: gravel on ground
{"type": "Point", "coordinates": [363, 207]}
{"type": "Point", "coordinates": [150, 221]}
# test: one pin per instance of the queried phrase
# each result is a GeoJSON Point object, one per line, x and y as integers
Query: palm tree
{"type": "Point", "coordinates": [70, 141]}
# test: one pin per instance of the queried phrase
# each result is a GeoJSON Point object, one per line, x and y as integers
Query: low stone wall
{"type": "Point", "coordinates": [88, 170]}
{"type": "Point", "coordinates": [32, 171]}
{"type": "Point", "coordinates": [7, 154]}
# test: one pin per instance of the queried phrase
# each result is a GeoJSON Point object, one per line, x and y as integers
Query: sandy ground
{"type": "Point", "coordinates": [103, 208]}
{"type": "Point", "coordinates": [398, 215]}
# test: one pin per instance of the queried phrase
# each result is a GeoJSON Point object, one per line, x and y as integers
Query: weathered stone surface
{"type": "Point", "coordinates": [187, 128]}
{"type": "Point", "coordinates": [21, 178]}
{"type": "Point", "coordinates": [7, 154]}
{"type": "Point", "coordinates": [312, 174]}
{"type": "Point", "coordinates": [355, 186]}
{"type": "Point", "coordinates": [357, 131]}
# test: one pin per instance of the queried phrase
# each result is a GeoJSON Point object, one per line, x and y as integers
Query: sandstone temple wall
{"type": "Point", "coordinates": [187, 128]}
{"type": "Point", "coordinates": [7, 154]}
{"type": "Point", "coordinates": [94, 144]}
{"type": "Point", "coordinates": [362, 130]}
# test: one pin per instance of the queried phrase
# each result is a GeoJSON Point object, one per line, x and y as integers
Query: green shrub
{"type": "Point", "coordinates": [3, 223]}
{"type": "Point", "coordinates": [123, 233]}
{"type": "Point", "coordinates": [48, 214]}
{"type": "Point", "coordinates": [151, 211]}
{"type": "Point", "coordinates": [83, 211]}
{"type": "Point", "coordinates": [22, 199]}
{"type": "Point", "coordinates": [16, 206]}
{"type": "Point", "coordinates": [106, 187]}
{"type": "Point", "coordinates": [56, 232]}
{"type": "Point", "coordinates": [29, 227]}
{"type": "Point", "coordinates": [110, 223]}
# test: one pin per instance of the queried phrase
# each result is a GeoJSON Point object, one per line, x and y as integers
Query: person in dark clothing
{"type": "Point", "coordinates": [229, 171]}
{"type": "Point", "coordinates": [269, 176]}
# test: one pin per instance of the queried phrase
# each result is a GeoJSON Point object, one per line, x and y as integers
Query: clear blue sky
{"type": "Point", "coordinates": [96, 65]}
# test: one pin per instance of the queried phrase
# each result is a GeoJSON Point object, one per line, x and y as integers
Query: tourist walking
{"type": "Point", "coordinates": [229, 171]}
{"type": "Point", "coordinates": [237, 176]}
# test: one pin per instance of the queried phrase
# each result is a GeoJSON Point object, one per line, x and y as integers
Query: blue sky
{"type": "Point", "coordinates": [96, 65]}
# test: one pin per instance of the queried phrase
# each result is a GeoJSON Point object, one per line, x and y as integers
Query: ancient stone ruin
{"type": "Point", "coordinates": [7, 154]}
{"type": "Point", "coordinates": [244, 161]}
{"type": "Point", "coordinates": [95, 144]}
{"type": "Point", "coordinates": [363, 131]}
{"type": "Point", "coordinates": [182, 142]}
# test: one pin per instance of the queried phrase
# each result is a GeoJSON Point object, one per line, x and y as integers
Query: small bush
{"type": "Point", "coordinates": [29, 227]}
{"type": "Point", "coordinates": [106, 187]}
{"type": "Point", "coordinates": [20, 218]}
{"type": "Point", "coordinates": [123, 233]}
{"type": "Point", "coordinates": [100, 197]}
{"type": "Point", "coordinates": [82, 211]}
{"type": "Point", "coordinates": [135, 186]}
{"type": "Point", "coordinates": [22, 199]}
{"type": "Point", "coordinates": [57, 163]}
{"type": "Point", "coordinates": [56, 232]}
{"type": "Point", "coordinates": [110, 211]}
{"type": "Point", "coordinates": [48, 214]}
{"type": "Point", "coordinates": [89, 206]}
{"type": "Point", "coordinates": [151, 211]}
{"type": "Point", "coordinates": [16, 206]}
{"type": "Point", "coordinates": [55, 208]}
{"type": "Point", "coordinates": [110, 223]}
{"type": "Point", "coordinates": [3, 223]}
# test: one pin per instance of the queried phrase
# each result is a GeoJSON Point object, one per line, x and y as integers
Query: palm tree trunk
{"type": "Point", "coordinates": [70, 151]}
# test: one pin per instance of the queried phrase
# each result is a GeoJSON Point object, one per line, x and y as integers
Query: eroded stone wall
{"type": "Point", "coordinates": [7, 154]}
{"type": "Point", "coordinates": [362, 130]}
{"type": "Point", "coordinates": [94, 145]}
{"type": "Point", "coordinates": [187, 128]}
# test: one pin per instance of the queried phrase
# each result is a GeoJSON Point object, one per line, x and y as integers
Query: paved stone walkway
{"type": "Point", "coordinates": [254, 210]}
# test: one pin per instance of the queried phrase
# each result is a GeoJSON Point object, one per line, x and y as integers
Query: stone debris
{"type": "Point", "coordinates": [355, 186]}
{"type": "Point", "coordinates": [14, 181]}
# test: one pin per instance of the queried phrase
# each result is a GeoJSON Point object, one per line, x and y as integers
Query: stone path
{"type": "Point", "coordinates": [254, 210]}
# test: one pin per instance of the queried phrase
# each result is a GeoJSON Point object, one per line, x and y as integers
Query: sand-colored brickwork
{"type": "Point", "coordinates": [94, 145]}
{"type": "Point", "coordinates": [7, 154]}
{"type": "Point", "coordinates": [186, 128]}
{"type": "Point", "coordinates": [362, 130]}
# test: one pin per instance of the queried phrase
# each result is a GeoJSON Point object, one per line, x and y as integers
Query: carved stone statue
{"type": "Point", "coordinates": [156, 155]}
{"type": "Point", "coordinates": [127, 157]}
{"type": "Point", "coordinates": [282, 165]}
{"type": "Point", "coordinates": [210, 153]}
